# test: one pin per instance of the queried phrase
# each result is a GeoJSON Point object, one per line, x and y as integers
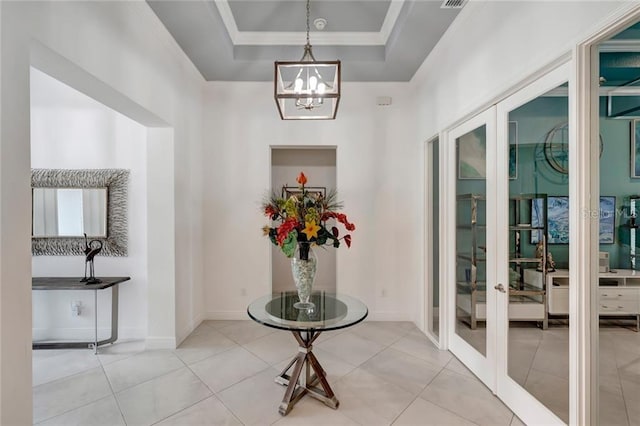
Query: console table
{"type": "Point", "coordinates": [329, 312]}
{"type": "Point", "coordinates": [72, 283]}
{"type": "Point", "coordinates": [618, 293]}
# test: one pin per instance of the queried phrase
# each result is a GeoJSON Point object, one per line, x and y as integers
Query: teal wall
{"type": "Point", "coordinates": [535, 120]}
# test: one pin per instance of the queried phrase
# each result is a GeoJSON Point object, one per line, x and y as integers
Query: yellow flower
{"type": "Point", "coordinates": [311, 229]}
{"type": "Point", "coordinates": [312, 215]}
{"type": "Point", "coordinates": [266, 229]}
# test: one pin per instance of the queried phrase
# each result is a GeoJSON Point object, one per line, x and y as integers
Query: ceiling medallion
{"type": "Point", "coordinates": [307, 89]}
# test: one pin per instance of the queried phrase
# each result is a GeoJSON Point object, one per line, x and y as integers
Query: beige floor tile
{"type": "Point", "coordinates": [225, 369]}
{"type": "Point", "coordinates": [521, 356]}
{"type": "Point", "coordinates": [109, 354]}
{"type": "Point", "coordinates": [613, 411]}
{"type": "Point", "coordinates": [456, 366]}
{"type": "Point", "coordinates": [350, 347]}
{"type": "Point", "coordinates": [517, 422]}
{"type": "Point", "coordinates": [140, 368]}
{"type": "Point", "coordinates": [57, 397]}
{"type": "Point", "coordinates": [255, 401]}
{"type": "Point", "coordinates": [630, 392]}
{"type": "Point", "coordinates": [382, 332]}
{"type": "Point", "coordinates": [467, 398]}
{"type": "Point", "coordinates": [207, 412]}
{"type": "Point", "coordinates": [66, 363]}
{"type": "Point", "coordinates": [552, 357]}
{"type": "Point", "coordinates": [417, 344]}
{"type": "Point", "coordinates": [425, 413]}
{"type": "Point", "coordinates": [104, 412]}
{"type": "Point", "coordinates": [550, 390]}
{"type": "Point", "coordinates": [274, 348]}
{"type": "Point", "coordinates": [157, 399]}
{"type": "Point", "coordinates": [311, 412]}
{"type": "Point", "coordinates": [370, 400]}
{"type": "Point", "coordinates": [243, 332]}
{"type": "Point", "coordinates": [401, 369]}
{"type": "Point", "coordinates": [200, 346]}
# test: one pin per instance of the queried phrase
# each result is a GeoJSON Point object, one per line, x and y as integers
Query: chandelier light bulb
{"type": "Point", "coordinates": [313, 83]}
{"type": "Point", "coordinates": [298, 85]}
{"type": "Point", "coordinates": [321, 88]}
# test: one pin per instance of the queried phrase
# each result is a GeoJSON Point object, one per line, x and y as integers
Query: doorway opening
{"type": "Point", "coordinates": [319, 165]}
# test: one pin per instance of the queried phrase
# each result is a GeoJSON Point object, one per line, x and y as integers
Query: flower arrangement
{"type": "Point", "coordinates": [303, 219]}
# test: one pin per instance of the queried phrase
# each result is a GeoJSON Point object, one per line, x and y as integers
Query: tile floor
{"type": "Point", "coordinates": [223, 374]}
{"type": "Point", "coordinates": [539, 361]}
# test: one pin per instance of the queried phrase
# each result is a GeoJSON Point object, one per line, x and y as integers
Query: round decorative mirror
{"type": "Point", "coordinates": [556, 148]}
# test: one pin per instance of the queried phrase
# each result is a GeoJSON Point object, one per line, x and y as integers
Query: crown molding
{"type": "Point", "coordinates": [294, 38]}
{"type": "Point", "coordinates": [611, 46]}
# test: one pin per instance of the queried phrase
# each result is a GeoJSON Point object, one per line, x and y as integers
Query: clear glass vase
{"type": "Point", "coordinates": [303, 267]}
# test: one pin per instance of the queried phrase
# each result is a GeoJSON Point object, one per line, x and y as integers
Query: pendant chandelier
{"type": "Point", "coordinates": [307, 89]}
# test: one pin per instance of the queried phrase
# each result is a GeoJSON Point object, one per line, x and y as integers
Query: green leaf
{"type": "Point", "coordinates": [290, 242]}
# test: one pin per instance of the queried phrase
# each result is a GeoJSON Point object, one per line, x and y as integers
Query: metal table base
{"type": "Point", "coordinates": [72, 284]}
{"type": "Point", "coordinates": [301, 383]}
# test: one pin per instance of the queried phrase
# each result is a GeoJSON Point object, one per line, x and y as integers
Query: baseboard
{"type": "Point", "coordinates": [226, 315]}
{"type": "Point", "coordinates": [186, 331]}
{"type": "Point", "coordinates": [161, 343]}
{"type": "Point", "coordinates": [86, 334]}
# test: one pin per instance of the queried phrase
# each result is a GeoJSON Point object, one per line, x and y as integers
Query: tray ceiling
{"type": "Point", "coordinates": [238, 40]}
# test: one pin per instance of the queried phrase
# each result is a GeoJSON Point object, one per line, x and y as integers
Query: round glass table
{"type": "Point", "coordinates": [330, 311]}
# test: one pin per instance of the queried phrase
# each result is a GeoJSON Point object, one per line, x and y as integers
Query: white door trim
{"type": "Point", "coordinates": [585, 187]}
{"type": "Point", "coordinates": [481, 365]}
{"type": "Point", "coordinates": [520, 401]}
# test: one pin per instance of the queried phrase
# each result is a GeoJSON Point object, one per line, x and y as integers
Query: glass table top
{"type": "Point", "coordinates": [331, 311]}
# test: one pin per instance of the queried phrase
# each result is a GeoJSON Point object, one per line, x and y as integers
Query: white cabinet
{"type": "Point", "coordinates": [618, 293]}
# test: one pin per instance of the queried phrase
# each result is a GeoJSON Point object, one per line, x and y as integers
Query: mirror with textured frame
{"type": "Point", "coordinates": [95, 203]}
{"type": "Point", "coordinates": [69, 212]}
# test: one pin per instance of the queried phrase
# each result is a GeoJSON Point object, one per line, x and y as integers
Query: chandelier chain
{"type": "Point", "coordinates": [308, 13]}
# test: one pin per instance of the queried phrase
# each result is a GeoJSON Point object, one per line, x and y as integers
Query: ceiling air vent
{"type": "Point", "coordinates": [452, 4]}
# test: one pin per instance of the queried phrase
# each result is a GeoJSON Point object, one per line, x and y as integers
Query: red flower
{"type": "Point", "coordinates": [301, 179]}
{"type": "Point", "coordinates": [283, 230]}
{"type": "Point", "coordinates": [347, 239]}
{"type": "Point", "coordinates": [269, 210]}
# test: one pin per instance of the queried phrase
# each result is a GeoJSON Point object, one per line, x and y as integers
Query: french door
{"type": "Point", "coordinates": [470, 253]}
{"type": "Point", "coordinates": [508, 172]}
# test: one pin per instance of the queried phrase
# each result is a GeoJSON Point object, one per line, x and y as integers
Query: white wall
{"type": "Point", "coordinates": [493, 46]}
{"type": "Point", "coordinates": [377, 173]}
{"type": "Point", "coordinates": [69, 130]}
{"type": "Point", "coordinates": [122, 56]}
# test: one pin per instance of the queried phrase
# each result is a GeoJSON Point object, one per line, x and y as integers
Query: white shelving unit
{"type": "Point", "coordinates": [527, 294]}
{"type": "Point", "coordinates": [618, 293]}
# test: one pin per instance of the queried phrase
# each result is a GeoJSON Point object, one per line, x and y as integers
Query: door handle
{"type": "Point", "coordinates": [500, 288]}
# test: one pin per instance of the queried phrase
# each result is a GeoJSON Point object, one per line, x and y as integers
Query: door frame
{"type": "Point", "coordinates": [520, 401]}
{"type": "Point", "coordinates": [439, 339]}
{"type": "Point", "coordinates": [483, 366]}
{"type": "Point", "coordinates": [584, 159]}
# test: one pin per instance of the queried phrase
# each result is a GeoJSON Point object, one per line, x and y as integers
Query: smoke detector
{"type": "Point", "coordinates": [319, 23]}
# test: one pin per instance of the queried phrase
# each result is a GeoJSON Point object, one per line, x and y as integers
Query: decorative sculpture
{"type": "Point", "coordinates": [90, 252]}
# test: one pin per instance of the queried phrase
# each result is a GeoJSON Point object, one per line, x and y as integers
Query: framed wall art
{"type": "Point", "coordinates": [472, 153]}
{"type": "Point", "coordinates": [558, 219]}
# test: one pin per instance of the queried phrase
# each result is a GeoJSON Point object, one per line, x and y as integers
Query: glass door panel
{"type": "Point", "coordinates": [533, 331]}
{"type": "Point", "coordinates": [618, 284]}
{"type": "Point", "coordinates": [472, 312]}
{"type": "Point", "coordinates": [433, 320]}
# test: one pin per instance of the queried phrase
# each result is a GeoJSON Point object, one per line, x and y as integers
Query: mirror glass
{"type": "Point", "coordinates": [69, 212]}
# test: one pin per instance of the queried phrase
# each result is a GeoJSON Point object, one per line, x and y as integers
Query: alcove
{"type": "Point", "coordinates": [319, 165]}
